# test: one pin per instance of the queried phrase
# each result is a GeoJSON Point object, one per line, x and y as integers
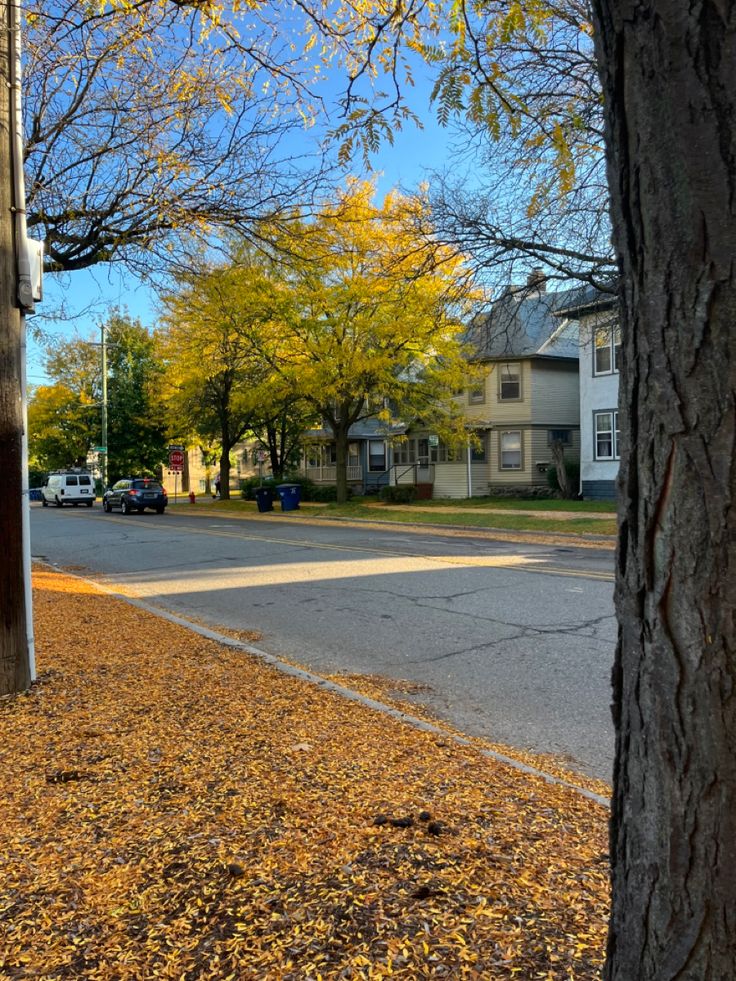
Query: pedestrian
{"type": "Point", "coordinates": [217, 487]}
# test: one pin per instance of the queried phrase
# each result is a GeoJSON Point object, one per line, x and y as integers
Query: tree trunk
{"type": "Point", "coordinates": [668, 73]}
{"type": "Point", "coordinates": [341, 462]}
{"type": "Point", "coordinates": [563, 481]}
{"type": "Point", "coordinates": [14, 658]}
{"type": "Point", "coordinates": [225, 473]}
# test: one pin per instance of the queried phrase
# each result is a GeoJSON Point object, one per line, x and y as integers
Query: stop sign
{"type": "Point", "coordinates": [176, 460]}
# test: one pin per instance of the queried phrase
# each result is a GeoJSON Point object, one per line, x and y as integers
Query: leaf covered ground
{"type": "Point", "coordinates": [176, 809]}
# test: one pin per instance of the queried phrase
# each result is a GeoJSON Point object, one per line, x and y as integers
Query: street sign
{"type": "Point", "coordinates": [176, 446]}
{"type": "Point", "coordinates": [433, 440]}
{"type": "Point", "coordinates": [176, 460]}
{"type": "Point", "coordinates": [261, 456]}
{"type": "Point", "coordinates": [99, 449]}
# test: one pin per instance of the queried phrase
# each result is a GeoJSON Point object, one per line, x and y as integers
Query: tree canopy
{"type": "Point", "coordinates": [377, 314]}
{"type": "Point", "coordinates": [65, 418]}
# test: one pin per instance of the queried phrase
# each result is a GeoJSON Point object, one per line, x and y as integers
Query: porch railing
{"type": "Point", "coordinates": [328, 475]}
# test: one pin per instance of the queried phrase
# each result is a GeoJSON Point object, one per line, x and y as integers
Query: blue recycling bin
{"type": "Point", "coordinates": [264, 498]}
{"type": "Point", "coordinates": [290, 495]}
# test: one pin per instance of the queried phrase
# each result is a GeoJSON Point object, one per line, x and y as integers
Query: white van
{"type": "Point", "coordinates": [68, 487]}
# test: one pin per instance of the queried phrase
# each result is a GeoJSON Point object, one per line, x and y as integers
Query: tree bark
{"type": "Point", "coordinates": [341, 460]}
{"type": "Point", "coordinates": [668, 73]}
{"type": "Point", "coordinates": [563, 481]}
{"type": "Point", "coordinates": [14, 660]}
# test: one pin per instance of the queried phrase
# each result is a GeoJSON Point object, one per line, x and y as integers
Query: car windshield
{"type": "Point", "coordinates": [151, 485]}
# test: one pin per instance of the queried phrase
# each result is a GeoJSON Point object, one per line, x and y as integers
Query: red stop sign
{"type": "Point", "coordinates": [176, 460]}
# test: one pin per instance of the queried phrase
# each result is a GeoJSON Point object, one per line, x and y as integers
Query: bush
{"type": "Point", "coordinates": [322, 493]}
{"type": "Point", "coordinates": [572, 469]}
{"type": "Point", "coordinates": [398, 493]}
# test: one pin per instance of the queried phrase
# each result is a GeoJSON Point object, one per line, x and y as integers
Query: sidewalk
{"type": "Point", "coordinates": [176, 808]}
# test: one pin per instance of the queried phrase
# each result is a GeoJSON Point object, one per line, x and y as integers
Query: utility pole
{"type": "Point", "coordinates": [103, 455]}
{"type": "Point", "coordinates": [15, 661]}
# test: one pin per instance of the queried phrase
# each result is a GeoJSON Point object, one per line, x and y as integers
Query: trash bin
{"type": "Point", "coordinates": [290, 495]}
{"type": "Point", "coordinates": [264, 498]}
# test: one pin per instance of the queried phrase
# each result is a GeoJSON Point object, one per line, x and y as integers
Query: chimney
{"type": "Point", "coordinates": [537, 278]}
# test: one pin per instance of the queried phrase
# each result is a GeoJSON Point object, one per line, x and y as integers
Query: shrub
{"type": "Point", "coordinates": [398, 493]}
{"type": "Point", "coordinates": [249, 486]}
{"type": "Point", "coordinates": [322, 493]}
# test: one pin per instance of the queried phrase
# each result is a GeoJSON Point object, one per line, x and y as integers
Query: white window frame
{"type": "Point", "coordinates": [510, 432]}
{"type": "Point", "coordinates": [611, 346]}
{"type": "Point", "coordinates": [615, 435]}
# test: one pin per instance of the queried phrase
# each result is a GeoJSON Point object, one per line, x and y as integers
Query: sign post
{"type": "Point", "coordinates": [176, 464]}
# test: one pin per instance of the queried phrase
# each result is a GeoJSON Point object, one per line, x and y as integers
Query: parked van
{"type": "Point", "coordinates": [68, 487]}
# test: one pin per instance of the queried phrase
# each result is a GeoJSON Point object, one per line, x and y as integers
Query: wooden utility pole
{"type": "Point", "coordinates": [14, 660]}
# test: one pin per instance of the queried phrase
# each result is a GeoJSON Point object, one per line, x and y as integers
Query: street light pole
{"type": "Point", "coordinates": [103, 460]}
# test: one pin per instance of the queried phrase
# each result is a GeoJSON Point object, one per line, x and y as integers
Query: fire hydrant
{"type": "Point", "coordinates": [192, 498]}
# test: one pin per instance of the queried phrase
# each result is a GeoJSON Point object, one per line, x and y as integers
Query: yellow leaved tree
{"type": "Point", "coordinates": [375, 325]}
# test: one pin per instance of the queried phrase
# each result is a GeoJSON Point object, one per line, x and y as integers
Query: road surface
{"type": "Point", "coordinates": [513, 642]}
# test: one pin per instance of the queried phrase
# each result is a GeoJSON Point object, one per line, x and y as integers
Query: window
{"type": "Point", "coordinates": [478, 453]}
{"type": "Point", "coordinates": [509, 382]}
{"type": "Point", "coordinates": [607, 350]}
{"type": "Point", "coordinates": [404, 452]}
{"type": "Point", "coordinates": [510, 445]}
{"type": "Point", "coordinates": [477, 394]}
{"type": "Point", "coordinates": [72, 482]}
{"type": "Point", "coordinates": [607, 435]}
{"type": "Point", "coordinates": [84, 481]}
{"type": "Point", "coordinates": [563, 436]}
{"type": "Point", "coordinates": [376, 456]}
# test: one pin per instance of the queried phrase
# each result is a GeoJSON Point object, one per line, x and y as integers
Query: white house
{"type": "Point", "coordinates": [600, 348]}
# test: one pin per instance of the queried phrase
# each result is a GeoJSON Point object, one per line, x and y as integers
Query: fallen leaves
{"type": "Point", "coordinates": [175, 809]}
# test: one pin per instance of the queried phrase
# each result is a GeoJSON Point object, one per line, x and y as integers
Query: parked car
{"type": "Point", "coordinates": [68, 487]}
{"type": "Point", "coordinates": [135, 494]}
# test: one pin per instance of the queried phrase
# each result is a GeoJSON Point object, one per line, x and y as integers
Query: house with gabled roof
{"type": "Point", "coordinates": [526, 399]}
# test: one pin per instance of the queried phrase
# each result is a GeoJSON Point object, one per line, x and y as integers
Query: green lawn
{"type": "Point", "coordinates": [484, 513]}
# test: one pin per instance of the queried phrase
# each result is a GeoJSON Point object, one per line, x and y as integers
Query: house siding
{"type": "Point", "coordinates": [542, 450]}
{"type": "Point", "coordinates": [597, 393]}
{"type": "Point", "coordinates": [451, 479]}
{"type": "Point", "coordinates": [555, 395]}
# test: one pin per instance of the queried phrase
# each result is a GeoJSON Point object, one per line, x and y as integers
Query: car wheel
{"type": "Point", "coordinates": [90, 503]}
{"type": "Point", "coordinates": [75, 504]}
{"type": "Point", "coordinates": [124, 506]}
{"type": "Point", "coordinates": [106, 507]}
{"type": "Point", "coordinates": [57, 502]}
{"type": "Point", "coordinates": [160, 509]}
{"type": "Point", "coordinates": [44, 503]}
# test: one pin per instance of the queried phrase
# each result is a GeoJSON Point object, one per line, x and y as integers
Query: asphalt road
{"type": "Point", "coordinates": [514, 642]}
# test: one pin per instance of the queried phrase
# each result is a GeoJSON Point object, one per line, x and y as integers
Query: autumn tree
{"type": "Point", "coordinates": [135, 428]}
{"type": "Point", "coordinates": [278, 425]}
{"type": "Point", "coordinates": [214, 332]}
{"type": "Point", "coordinates": [63, 424]}
{"type": "Point", "coordinates": [376, 319]}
